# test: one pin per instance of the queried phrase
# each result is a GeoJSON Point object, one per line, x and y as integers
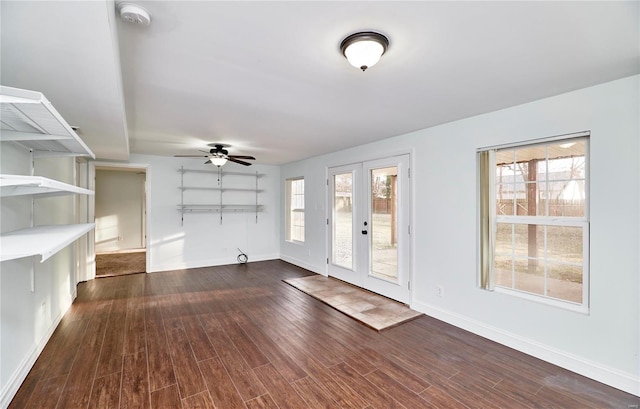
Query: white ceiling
{"type": "Point", "coordinates": [269, 79]}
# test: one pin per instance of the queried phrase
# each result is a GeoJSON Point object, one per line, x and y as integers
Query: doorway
{"type": "Point", "coordinates": [369, 225]}
{"type": "Point", "coordinates": [120, 217]}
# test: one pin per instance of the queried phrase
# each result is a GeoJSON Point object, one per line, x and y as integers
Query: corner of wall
{"type": "Point", "coordinates": [624, 381]}
{"type": "Point", "coordinates": [16, 379]}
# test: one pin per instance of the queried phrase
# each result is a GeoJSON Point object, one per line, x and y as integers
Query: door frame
{"type": "Point", "coordinates": [410, 262]}
{"type": "Point", "coordinates": [125, 167]}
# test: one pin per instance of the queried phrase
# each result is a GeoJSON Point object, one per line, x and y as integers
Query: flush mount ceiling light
{"type": "Point", "coordinates": [364, 49]}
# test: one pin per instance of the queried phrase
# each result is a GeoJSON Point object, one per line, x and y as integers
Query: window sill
{"type": "Point", "coordinates": [565, 305]}
{"type": "Point", "coordinates": [299, 243]}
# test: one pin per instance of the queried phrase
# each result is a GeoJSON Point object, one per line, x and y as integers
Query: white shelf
{"type": "Point", "coordinates": [43, 240]}
{"type": "Point", "coordinates": [224, 173]}
{"type": "Point", "coordinates": [220, 189]}
{"type": "Point", "coordinates": [18, 185]}
{"type": "Point", "coordinates": [29, 119]}
{"type": "Point", "coordinates": [217, 208]}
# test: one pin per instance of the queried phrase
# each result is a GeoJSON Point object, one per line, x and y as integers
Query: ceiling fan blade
{"type": "Point", "coordinates": [207, 162]}
{"type": "Point", "coordinates": [191, 156]}
{"type": "Point", "coordinates": [241, 157]}
{"type": "Point", "coordinates": [230, 159]}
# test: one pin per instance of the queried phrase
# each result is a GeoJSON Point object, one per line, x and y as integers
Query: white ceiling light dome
{"type": "Point", "coordinates": [364, 49]}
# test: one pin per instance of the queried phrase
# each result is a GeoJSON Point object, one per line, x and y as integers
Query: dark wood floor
{"type": "Point", "coordinates": [238, 337]}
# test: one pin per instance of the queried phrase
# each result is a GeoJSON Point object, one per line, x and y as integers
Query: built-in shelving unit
{"type": "Point", "coordinates": [17, 185]}
{"type": "Point", "coordinates": [221, 206]}
{"type": "Point", "coordinates": [42, 240]}
{"type": "Point", "coordinates": [29, 120]}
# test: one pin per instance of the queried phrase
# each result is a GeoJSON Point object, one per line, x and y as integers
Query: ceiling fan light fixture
{"type": "Point", "coordinates": [218, 161]}
{"type": "Point", "coordinates": [364, 49]}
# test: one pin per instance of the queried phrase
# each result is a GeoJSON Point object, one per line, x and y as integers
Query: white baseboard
{"type": "Point", "coordinates": [16, 379]}
{"type": "Point", "coordinates": [302, 264]}
{"type": "Point", "coordinates": [620, 380]}
{"type": "Point", "coordinates": [223, 261]}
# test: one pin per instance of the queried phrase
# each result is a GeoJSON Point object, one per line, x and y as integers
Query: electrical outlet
{"type": "Point", "coordinates": [440, 291]}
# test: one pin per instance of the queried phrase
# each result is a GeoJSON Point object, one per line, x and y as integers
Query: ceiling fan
{"type": "Point", "coordinates": [218, 156]}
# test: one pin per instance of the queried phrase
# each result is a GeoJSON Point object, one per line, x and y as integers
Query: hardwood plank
{"type": "Point", "coordinates": [395, 389]}
{"type": "Point", "coordinates": [250, 352]}
{"type": "Point", "coordinates": [67, 347]}
{"type": "Point", "coordinates": [106, 392]}
{"type": "Point", "coordinates": [411, 362]}
{"type": "Point", "coordinates": [441, 399]}
{"type": "Point", "coordinates": [244, 379]}
{"type": "Point", "coordinates": [589, 391]}
{"type": "Point", "coordinates": [135, 341]}
{"type": "Point", "coordinates": [262, 402]}
{"type": "Point", "coordinates": [47, 393]}
{"type": "Point", "coordinates": [372, 394]}
{"type": "Point", "coordinates": [301, 334]}
{"type": "Point", "coordinates": [404, 377]}
{"type": "Point", "coordinates": [77, 389]}
{"type": "Point", "coordinates": [201, 400]}
{"type": "Point", "coordinates": [223, 392]}
{"type": "Point", "coordinates": [200, 344]}
{"type": "Point", "coordinates": [112, 349]}
{"type": "Point", "coordinates": [282, 393]}
{"type": "Point", "coordinates": [275, 351]}
{"type": "Point", "coordinates": [468, 396]}
{"type": "Point", "coordinates": [161, 372]}
{"type": "Point", "coordinates": [339, 391]}
{"type": "Point", "coordinates": [25, 391]}
{"type": "Point", "coordinates": [166, 398]}
{"type": "Point", "coordinates": [314, 395]}
{"type": "Point", "coordinates": [553, 398]}
{"type": "Point", "coordinates": [185, 365]}
{"type": "Point", "coordinates": [135, 385]}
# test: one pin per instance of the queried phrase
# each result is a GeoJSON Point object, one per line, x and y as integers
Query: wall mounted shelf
{"type": "Point", "coordinates": [226, 189]}
{"type": "Point", "coordinates": [219, 207]}
{"type": "Point", "coordinates": [43, 240]}
{"type": "Point", "coordinates": [30, 120]}
{"type": "Point", "coordinates": [18, 185]}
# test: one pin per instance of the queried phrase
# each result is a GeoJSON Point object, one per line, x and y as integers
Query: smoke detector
{"type": "Point", "coordinates": [134, 14]}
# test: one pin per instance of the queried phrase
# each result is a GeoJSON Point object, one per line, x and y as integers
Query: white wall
{"type": "Point", "coordinates": [27, 319]}
{"type": "Point", "coordinates": [119, 210]}
{"type": "Point", "coordinates": [202, 240]}
{"type": "Point", "coordinates": [603, 344]}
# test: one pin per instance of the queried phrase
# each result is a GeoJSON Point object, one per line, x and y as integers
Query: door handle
{"type": "Point", "coordinates": [364, 232]}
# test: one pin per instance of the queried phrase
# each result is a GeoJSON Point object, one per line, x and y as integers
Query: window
{"type": "Point", "coordinates": [534, 220]}
{"type": "Point", "coordinates": [295, 210]}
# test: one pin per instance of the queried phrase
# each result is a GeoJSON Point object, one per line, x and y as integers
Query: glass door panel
{"type": "Point", "coordinates": [384, 230]}
{"type": "Point", "coordinates": [342, 221]}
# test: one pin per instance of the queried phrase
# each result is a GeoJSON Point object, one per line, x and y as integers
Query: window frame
{"type": "Point", "coordinates": [290, 211]}
{"type": "Point", "coordinates": [582, 222]}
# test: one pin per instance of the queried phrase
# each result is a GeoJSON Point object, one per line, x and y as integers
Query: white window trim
{"type": "Point", "coordinates": [583, 222]}
{"type": "Point", "coordinates": [289, 211]}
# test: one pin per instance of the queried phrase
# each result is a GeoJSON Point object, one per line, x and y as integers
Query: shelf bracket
{"type": "Point", "coordinates": [33, 275]}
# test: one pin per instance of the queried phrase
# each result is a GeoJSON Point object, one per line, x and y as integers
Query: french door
{"type": "Point", "coordinates": [369, 225]}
